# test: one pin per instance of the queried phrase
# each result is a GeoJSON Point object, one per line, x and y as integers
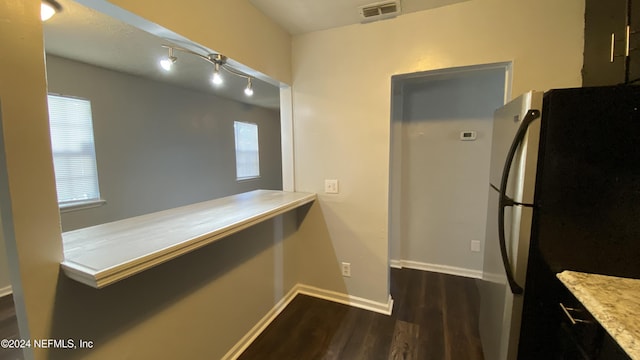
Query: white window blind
{"type": "Point", "coordinates": [247, 153]}
{"type": "Point", "coordinates": [74, 155]}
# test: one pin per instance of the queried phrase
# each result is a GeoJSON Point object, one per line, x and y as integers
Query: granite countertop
{"type": "Point", "coordinates": [613, 301]}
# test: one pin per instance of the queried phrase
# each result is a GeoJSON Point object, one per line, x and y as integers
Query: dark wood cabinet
{"type": "Point", "coordinates": [610, 350]}
{"type": "Point", "coordinates": [580, 336]}
{"type": "Point", "coordinates": [634, 42]}
{"type": "Point", "coordinates": [611, 42]}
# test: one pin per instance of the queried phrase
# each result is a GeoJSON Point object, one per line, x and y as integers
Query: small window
{"type": "Point", "coordinates": [247, 153]}
{"type": "Point", "coordinates": [74, 155]}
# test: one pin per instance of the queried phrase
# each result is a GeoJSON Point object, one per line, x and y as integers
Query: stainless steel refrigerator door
{"type": "Point", "coordinates": [500, 310]}
{"type": "Point", "coordinates": [495, 295]}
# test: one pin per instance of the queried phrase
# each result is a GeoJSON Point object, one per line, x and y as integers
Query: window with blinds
{"type": "Point", "coordinates": [74, 155]}
{"type": "Point", "coordinates": [247, 152]}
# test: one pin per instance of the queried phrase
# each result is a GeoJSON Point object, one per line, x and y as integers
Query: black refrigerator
{"type": "Point", "coordinates": [564, 194]}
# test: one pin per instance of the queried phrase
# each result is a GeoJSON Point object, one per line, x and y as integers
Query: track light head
{"type": "Point", "coordinates": [216, 79]}
{"type": "Point", "coordinates": [168, 62]}
{"type": "Point", "coordinates": [249, 89]}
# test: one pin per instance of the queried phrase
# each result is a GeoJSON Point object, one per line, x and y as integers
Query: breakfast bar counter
{"type": "Point", "coordinates": [103, 254]}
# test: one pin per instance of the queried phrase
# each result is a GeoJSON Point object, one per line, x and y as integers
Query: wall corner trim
{"type": "Point", "coordinates": [261, 325]}
{"type": "Point", "coordinates": [443, 269]}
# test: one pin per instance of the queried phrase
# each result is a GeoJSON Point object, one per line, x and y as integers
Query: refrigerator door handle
{"type": "Point", "coordinates": [510, 202]}
{"type": "Point", "coordinates": [506, 201]}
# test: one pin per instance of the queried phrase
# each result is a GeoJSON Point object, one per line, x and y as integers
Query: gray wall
{"type": "Point", "coordinates": [443, 180]}
{"type": "Point", "coordinates": [160, 146]}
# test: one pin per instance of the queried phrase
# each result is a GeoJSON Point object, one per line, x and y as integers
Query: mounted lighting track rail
{"type": "Point", "coordinates": [217, 60]}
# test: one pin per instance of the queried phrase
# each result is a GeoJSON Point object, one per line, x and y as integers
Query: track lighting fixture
{"type": "Point", "coordinates": [168, 62]}
{"type": "Point", "coordinates": [217, 60]}
{"type": "Point", "coordinates": [48, 8]}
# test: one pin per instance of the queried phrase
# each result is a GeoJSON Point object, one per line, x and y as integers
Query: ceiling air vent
{"type": "Point", "coordinates": [380, 10]}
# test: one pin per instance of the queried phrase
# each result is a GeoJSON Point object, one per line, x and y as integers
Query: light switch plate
{"type": "Point", "coordinates": [331, 186]}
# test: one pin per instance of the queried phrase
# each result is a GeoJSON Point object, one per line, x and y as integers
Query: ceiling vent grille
{"type": "Point", "coordinates": [379, 11]}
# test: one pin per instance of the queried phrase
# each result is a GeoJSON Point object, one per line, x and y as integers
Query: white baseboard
{"type": "Point", "coordinates": [495, 278]}
{"type": "Point", "coordinates": [256, 330]}
{"type": "Point", "coordinates": [355, 301]}
{"type": "Point", "coordinates": [444, 269]}
{"type": "Point", "coordinates": [7, 290]}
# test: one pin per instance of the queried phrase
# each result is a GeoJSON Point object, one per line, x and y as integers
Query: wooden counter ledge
{"type": "Point", "coordinates": [103, 254]}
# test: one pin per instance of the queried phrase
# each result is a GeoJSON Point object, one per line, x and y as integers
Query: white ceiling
{"type": "Point", "coordinates": [86, 35]}
{"type": "Point", "coordinates": [302, 16]}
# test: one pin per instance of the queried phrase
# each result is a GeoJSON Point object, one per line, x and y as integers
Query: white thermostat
{"type": "Point", "coordinates": [468, 135]}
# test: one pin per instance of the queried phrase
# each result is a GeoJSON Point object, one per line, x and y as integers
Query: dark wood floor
{"type": "Point", "coordinates": [8, 328]}
{"type": "Point", "coordinates": [435, 317]}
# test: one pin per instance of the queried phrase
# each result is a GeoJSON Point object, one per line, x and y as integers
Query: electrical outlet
{"type": "Point", "coordinates": [346, 269]}
{"type": "Point", "coordinates": [331, 186]}
{"type": "Point", "coordinates": [475, 245]}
